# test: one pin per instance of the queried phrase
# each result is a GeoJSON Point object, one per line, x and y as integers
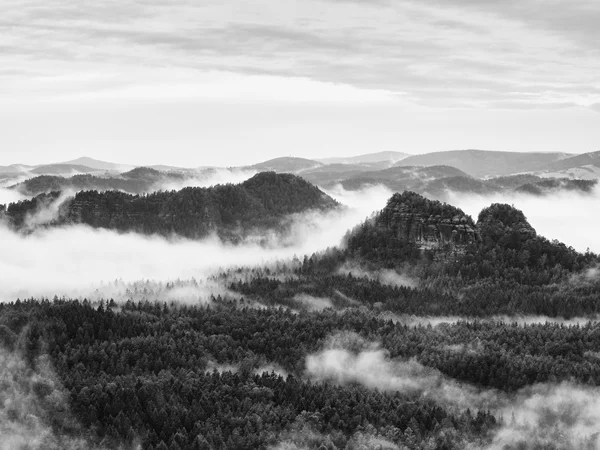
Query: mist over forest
{"type": "Point", "coordinates": [300, 304]}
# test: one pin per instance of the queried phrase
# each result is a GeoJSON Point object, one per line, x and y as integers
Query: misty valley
{"type": "Point", "coordinates": [448, 300]}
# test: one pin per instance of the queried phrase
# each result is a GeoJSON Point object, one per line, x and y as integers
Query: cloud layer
{"type": "Point", "coordinates": [564, 415]}
{"type": "Point", "coordinates": [569, 217]}
{"type": "Point", "coordinates": [502, 54]}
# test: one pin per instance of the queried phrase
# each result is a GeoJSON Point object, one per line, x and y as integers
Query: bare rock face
{"type": "Point", "coordinates": [427, 223]}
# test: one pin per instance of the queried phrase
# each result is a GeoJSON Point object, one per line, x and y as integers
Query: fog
{"type": "Point", "coordinates": [10, 196]}
{"type": "Point", "coordinates": [567, 216]}
{"type": "Point", "coordinates": [313, 303]}
{"type": "Point", "coordinates": [347, 359]}
{"type": "Point", "coordinates": [207, 178]}
{"type": "Point", "coordinates": [75, 260]}
{"type": "Point", "coordinates": [521, 320]}
{"type": "Point", "coordinates": [303, 436]}
{"type": "Point", "coordinates": [384, 276]}
{"type": "Point", "coordinates": [565, 416]}
{"type": "Point", "coordinates": [189, 291]}
{"type": "Point", "coordinates": [548, 415]}
{"type": "Point", "coordinates": [32, 404]}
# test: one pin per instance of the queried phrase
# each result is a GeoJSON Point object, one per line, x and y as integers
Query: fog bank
{"type": "Point", "coordinates": [569, 217]}
{"type": "Point", "coordinates": [32, 404]}
{"type": "Point", "coordinates": [565, 415]}
{"type": "Point", "coordinates": [207, 178]}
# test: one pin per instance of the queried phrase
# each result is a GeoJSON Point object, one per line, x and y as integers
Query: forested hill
{"type": "Point", "coordinates": [229, 210]}
{"type": "Point", "coordinates": [419, 256]}
{"type": "Point", "coordinates": [136, 181]}
{"type": "Point", "coordinates": [501, 244]}
{"type": "Point", "coordinates": [409, 224]}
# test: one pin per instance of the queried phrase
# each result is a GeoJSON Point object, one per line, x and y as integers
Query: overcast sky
{"type": "Point", "coordinates": [231, 82]}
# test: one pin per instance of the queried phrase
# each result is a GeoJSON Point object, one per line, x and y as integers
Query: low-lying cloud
{"type": "Point", "coordinates": [207, 178]}
{"type": "Point", "coordinates": [570, 217]}
{"type": "Point", "coordinates": [521, 320]}
{"type": "Point", "coordinates": [31, 401]}
{"type": "Point", "coordinates": [347, 359]}
{"type": "Point", "coordinates": [10, 196]}
{"type": "Point", "coordinates": [564, 415]}
{"type": "Point", "coordinates": [313, 303]}
{"type": "Point", "coordinates": [386, 277]}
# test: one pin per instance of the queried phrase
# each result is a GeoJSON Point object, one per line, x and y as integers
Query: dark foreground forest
{"type": "Point", "coordinates": [227, 375]}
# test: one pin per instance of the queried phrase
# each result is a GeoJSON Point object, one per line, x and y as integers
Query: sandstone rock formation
{"type": "Point", "coordinates": [427, 223]}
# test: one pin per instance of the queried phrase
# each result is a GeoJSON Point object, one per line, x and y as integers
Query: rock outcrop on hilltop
{"type": "Point", "coordinates": [501, 245]}
{"type": "Point", "coordinates": [427, 223]}
{"type": "Point", "coordinates": [411, 225]}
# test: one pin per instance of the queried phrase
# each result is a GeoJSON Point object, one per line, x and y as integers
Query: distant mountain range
{"type": "Point", "coordinates": [433, 174]}
{"type": "Point", "coordinates": [483, 163]}
{"type": "Point", "coordinates": [287, 164]}
{"type": "Point", "coordinates": [369, 158]}
{"type": "Point", "coordinates": [96, 164]}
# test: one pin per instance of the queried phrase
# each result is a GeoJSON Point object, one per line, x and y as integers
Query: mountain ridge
{"type": "Point", "coordinates": [486, 163]}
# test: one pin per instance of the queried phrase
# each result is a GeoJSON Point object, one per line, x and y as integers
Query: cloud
{"type": "Point", "coordinates": [562, 415]}
{"type": "Point", "coordinates": [207, 178]}
{"type": "Point", "coordinates": [10, 196]}
{"type": "Point", "coordinates": [313, 303]}
{"type": "Point", "coordinates": [347, 358]}
{"type": "Point", "coordinates": [439, 52]}
{"type": "Point", "coordinates": [384, 276]}
{"type": "Point", "coordinates": [302, 435]}
{"type": "Point", "coordinates": [33, 404]}
{"type": "Point", "coordinates": [569, 217]}
{"type": "Point", "coordinates": [434, 321]}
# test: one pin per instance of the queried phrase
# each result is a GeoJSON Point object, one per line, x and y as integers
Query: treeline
{"type": "Point", "coordinates": [229, 210]}
{"type": "Point", "coordinates": [203, 376]}
{"type": "Point", "coordinates": [136, 181]}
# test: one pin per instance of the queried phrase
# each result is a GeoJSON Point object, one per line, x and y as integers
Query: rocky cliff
{"type": "Point", "coordinates": [427, 223]}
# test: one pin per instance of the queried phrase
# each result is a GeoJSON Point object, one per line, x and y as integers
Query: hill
{"type": "Point", "coordinates": [483, 163]}
{"type": "Point", "coordinates": [14, 169]}
{"type": "Point", "coordinates": [401, 178]}
{"type": "Point", "coordinates": [409, 224]}
{"type": "Point", "coordinates": [286, 165]}
{"type": "Point", "coordinates": [231, 211]}
{"type": "Point", "coordinates": [421, 256]}
{"type": "Point", "coordinates": [94, 164]}
{"type": "Point", "coordinates": [331, 174]}
{"type": "Point", "coordinates": [63, 169]}
{"type": "Point", "coordinates": [584, 166]}
{"type": "Point", "coordinates": [553, 185]}
{"type": "Point", "coordinates": [136, 181]}
{"type": "Point", "coordinates": [388, 157]}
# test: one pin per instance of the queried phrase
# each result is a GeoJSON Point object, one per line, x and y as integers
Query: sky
{"type": "Point", "coordinates": [194, 83]}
